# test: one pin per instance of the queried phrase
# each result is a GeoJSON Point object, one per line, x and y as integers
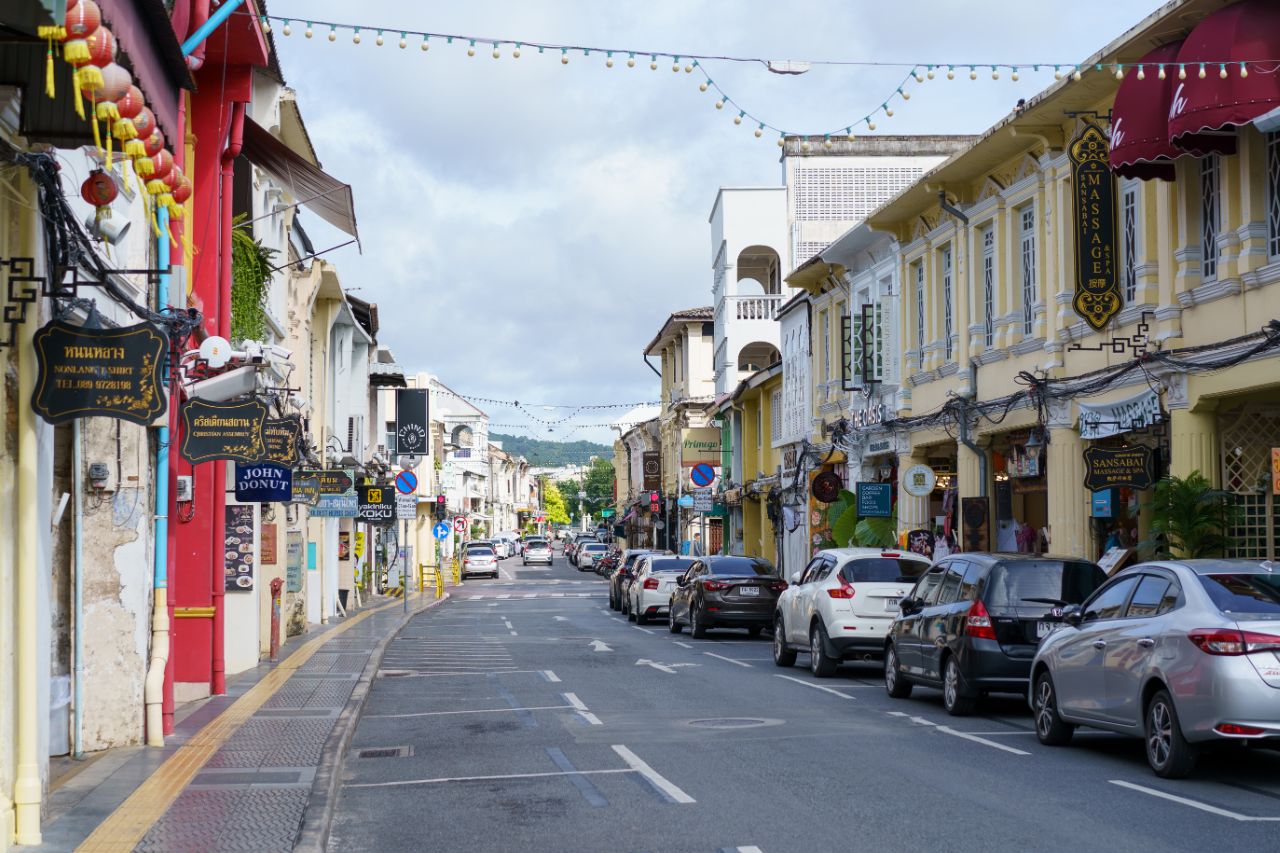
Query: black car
{"type": "Point", "coordinates": [725, 592]}
{"type": "Point", "coordinates": [972, 623]}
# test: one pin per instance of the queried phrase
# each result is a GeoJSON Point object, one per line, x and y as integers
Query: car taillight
{"type": "Point", "coordinates": [978, 623]}
{"type": "Point", "coordinates": [715, 586]}
{"type": "Point", "coordinates": [1236, 729]}
{"type": "Point", "coordinates": [650, 583]}
{"type": "Point", "coordinates": [778, 586]}
{"type": "Point", "coordinates": [842, 591]}
{"type": "Point", "coordinates": [1222, 641]}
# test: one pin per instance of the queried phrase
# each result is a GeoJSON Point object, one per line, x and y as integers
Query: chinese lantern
{"type": "Point", "coordinates": [144, 124]}
{"type": "Point", "coordinates": [82, 19]}
{"type": "Point", "coordinates": [181, 193]}
{"type": "Point", "coordinates": [128, 108]}
{"type": "Point", "coordinates": [115, 85]}
{"type": "Point", "coordinates": [99, 190]}
{"type": "Point", "coordinates": [88, 55]}
{"type": "Point", "coordinates": [161, 163]}
{"type": "Point", "coordinates": [152, 145]}
{"type": "Point", "coordinates": [172, 181]}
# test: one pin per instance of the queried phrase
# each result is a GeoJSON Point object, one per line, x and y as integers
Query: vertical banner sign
{"type": "Point", "coordinates": [652, 471]}
{"type": "Point", "coordinates": [109, 373]}
{"type": "Point", "coordinates": [239, 542]}
{"type": "Point", "coordinates": [1097, 297]}
{"type": "Point", "coordinates": [268, 550]}
{"type": "Point", "coordinates": [293, 561]}
{"type": "Point", "coordinates": [411, 422]}
{"type": "Point", "coordinates": [1275, 470]}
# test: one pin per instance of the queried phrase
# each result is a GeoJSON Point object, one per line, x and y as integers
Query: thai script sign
{"type": "Point", "coordinates": [111, 373]}
{"type": "Point", "coordinates": [1118, 467]}
{"type": "Point", "coordinates": [230, 431]}
{"type": "Point", "coordinates": [281, 437]}
{"type": "Point", "coordinates": [337, 495]}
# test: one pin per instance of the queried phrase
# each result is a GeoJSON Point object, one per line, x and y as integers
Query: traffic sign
{"type": "Point", "coordinates": [406, 507]}
{"type": "Point", "coordinates": [460, 523]}
{"type": "Point", "coordinates": [440, 531]}
{"type": "Point", "coordinates": [607, 512]}
{"type": "Point", "coordinates": [703, 501]}
{"type": "Point", "coordinates": [686, 501]}
{"type": "Point", "coordinates": [702, 474]}
{"type": "Point", "coordinates": [406, 482]}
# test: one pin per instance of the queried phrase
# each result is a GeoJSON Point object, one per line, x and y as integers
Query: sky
{"type": "Point", "coordinates": [527, 226]}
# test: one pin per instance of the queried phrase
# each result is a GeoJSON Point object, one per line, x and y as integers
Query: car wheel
{"type": "Point", "coordinates": [754, 632]}
{"type": "Point", "coordinates": [641, 618]}
{"type": "Point", "coordinates": [526, 562]}
{"type": "Point", "coordinates": [697, 628]}
{"type": "Point", "coordinates": [631, 614]}
{"type": "Point", "coordinates": [820, 664]}
{"type": "Point", "coordinates": [895, 684]}
{"type": "Point", "coordinates": [672, 625]}
{"type": "Point", "coordinates": [1051, 729]}
{"type": "Point", "coordinates": [613, 602]}
{"type": "Point", "coordinates": [782, 656]}
{"type": "Point", "coordinates": [954, 699]}
{"type": "Point", "coordinates": [1168, 752]}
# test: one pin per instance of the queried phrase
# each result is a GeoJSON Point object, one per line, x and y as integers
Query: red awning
{"type": "Point", "coordinates": [1204, 112]}
{"type": "Point", "coordinates": [1140, 118]}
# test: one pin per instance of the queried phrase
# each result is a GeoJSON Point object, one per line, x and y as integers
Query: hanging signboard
{"type": "Point", "coordinates": [411, 422]}
{"type": "Point", "coordinates": [281, 437]}
{"type": "Point", "coordinates": [974, 517]}
{"type": "Point", "coordinates": [1100, 420]}
{"type": "Point", "coordinates": [1097, 297]}
{"type": "Point", "coordinates": [699, 444]}
{"type": "Point", "coordinates": [376, 504]}
{"type": "Point", "coordinates": [229, 431]}
{"type": "Point", "coordinates": [703, 500]}
{"type": "Point", "coordinates": [306, 490]}
{"type": "Point", "coordinates": [336, 482]}
{"type": "Point", "coordinates": [239, 542]}
{"type": "Point", "coordinates": [875, 500]}
{"type": "Point", "coordinates": [110, 373]}
{"type": "Point", "coordinates": [1118, 467]}
{"type": "Point", "coordinates": [919, 481]}
{"type": "Point", "coordinates": [652, 471]}
{"type": "Point", "coordinates": [263, 482]}
{"type": "Point", "coordinates": [337, 495]}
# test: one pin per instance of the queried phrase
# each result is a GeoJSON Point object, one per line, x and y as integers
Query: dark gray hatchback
{"type": "Point", "coordinates": [972, 623]}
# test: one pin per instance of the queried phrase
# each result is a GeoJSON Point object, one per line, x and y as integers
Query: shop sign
{"type": "Point", "coordinates": [263, 482]}
{"type": "Point", "coordinates": [411, 422]}
{"type": "Point", "coordinates": [1097, 297]}
{"type": "Point", "coordinates": [699, 444]}
{"type": "Point", "coordinates": [306, 490]}
{"type": "Point", "coordinates": [228, 431]}
{"type": "Point", "coordinates": [884, 445]}
{"type": "Point", "coordinates": [976, 531]}
{"type": "Point", "coordinates": [875, 500]}
{"type": "Point", "coordinates": [110, 373]}
{"type": "Point", "coordinates": [376, 504]}
{"type": "Point", "coordinates": [919, 481]}
{"type": "Point", "coordinates": [1123, 467]}
{"type": "Point", "coordinates": [239, 541]}
{"type": "Point", "coordinates": [1100, 420]}
{"type": "Point", "coordinates": [1101, 504]}
{"type": "Point", "coordinates": [268, 550]}
{"type": "Point", "coordinates": [359, 546]}
{"type": "Point", "coordinates": [337, 495]}
{"type": "Point", "coordinates": [336, 482]}
{"type": "Point", "coordinates": [1275, 470]}
{"type": "Point", "coordinates": [870, 416]}
{"type": "Point", "coordinates": [652, 461]}
{"type": "Point", "coordinates": [293, 561]}
{"type": "Point", "coordinates": [281, 438]}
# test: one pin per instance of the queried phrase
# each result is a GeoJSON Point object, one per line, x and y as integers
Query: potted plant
{"type": "Point", "coordinates": [1190, 519]}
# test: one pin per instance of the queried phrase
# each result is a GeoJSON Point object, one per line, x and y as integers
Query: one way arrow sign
{"type": "Point", "coordinates": [597, 646]}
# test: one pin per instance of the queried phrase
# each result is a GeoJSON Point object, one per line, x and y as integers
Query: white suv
{"type": "Point", "coordinates": [651, 588]}
{"type": "Point", "coordinates": [840, 607]}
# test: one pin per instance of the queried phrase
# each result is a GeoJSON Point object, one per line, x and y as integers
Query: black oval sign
{"type": "Point", "coordinates": [111, 373]}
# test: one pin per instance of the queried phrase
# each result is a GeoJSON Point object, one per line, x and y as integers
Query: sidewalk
{"type": "Point", "coordinates": [244, 770]}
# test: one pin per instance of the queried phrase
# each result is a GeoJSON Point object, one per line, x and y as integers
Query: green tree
{"type": "Point", "coordinates": [553, 503]}
{"type": "Point", "coordinates": [1190, 518]}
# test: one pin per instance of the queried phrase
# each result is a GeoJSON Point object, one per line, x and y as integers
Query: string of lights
{"type": "Point", "coordinates": [918, 72]}
{"type": "Point", "coordinates": [517, 404]}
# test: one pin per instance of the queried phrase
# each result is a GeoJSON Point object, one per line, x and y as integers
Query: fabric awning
{"type": "Point", "coordinates": [1140, 118]}
{"type": "Point", "coordinates": [1205, 111]}
{"type": "Point", "coordinates": [310, 186]}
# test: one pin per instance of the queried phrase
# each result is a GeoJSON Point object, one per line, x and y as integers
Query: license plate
{"type": "Point", "coordinates": [1044, 629]}
{"type": "Point", "coordinates": [891, 605]}
{"type": "Point", "coordinates": [748, 590]}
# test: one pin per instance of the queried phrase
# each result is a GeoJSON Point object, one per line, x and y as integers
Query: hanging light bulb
{"type": "Point", "coordinates": [888, 110]}
{"type": "Point", "coordinates": [973, 73]}
{"type": "Point", "coordinates": [1075, 75]}
{"type": "Point", "coordinates": [1119, 71]}
{"type": "Point", "coordinates": [564, 56]}
{"type": "Point", "coordinates": [702, 87]}
{"type": "Point", "coordinates": [688, 69]}
{"type": "Point", "coordinates": [1222, 71]}
{"type": "Point", "coordinates": [308, 32]}
{"type": "Point", "coordinates": [720, 104]}
{"type": "Point", "coordinates": [1057, 73]}
{"type": "Point", "coordinates": [404, 41]}
{"type": "Point", "coordinates": [496, 53]}
{"type": "Point", "coordinates": [287, 30]}
{"type": "Point", "coordinates": [915, 72]}
{"type": "Point", "coordinates": [266, 25]}
{"type": "Point", "coordinates": [380, 41]}
{"type": "Point", "coordinates": [995, 73]}
{"type": "Point", "coordinates": [738, 118]}
{"type": "Point", "coordinates": [1160, 75]}
{"type": "Point", "coordinates": [906, 96]}
{"type": "Point", "coordinates": [1244, 70]}
{"type": "Point", "coordinates": [333, 33]}
{"type": "Point", "coordinates": [1014, 75]}
{"type": "Point", "coordinates": [424, 45]}
{"type": "Point", "coordinates": [782, 138]}
{"type": "Point", "coordinates": [471, 48]}
{"type": "Point", "coordinates": [951, 72]}
{"type": "Point", "coordinates": [929, 73]}
{"type": "Point", "coordinates": [355, 37]}
{"type": "Point", "coordinates": [631, 60]}
{"type": "Point", "coordinates": [849, 135]}
{"type": "Point", "coordinates": [1202, 74]}
{"type": "Point", "coordinates": [675, 67]}
{"type": "Point", "coordinates": [1182, 72]}
{"type": "Point", "coordinates": [804, 146]}
{"type": "Point", "coordinates": [871, 125]}
{"type": "Point", "coordinates": [759, 133]}
{"type": "Point", "coordinates": [608, 60]}
{"type": "Point", "coordinates": [1142, 73]}
{"type": "Point", "coordinates": [515, 53]}
{"type": "Point", "coordinates": [653, 63]}
{"type": "Point", "coordinates": [826, 142]}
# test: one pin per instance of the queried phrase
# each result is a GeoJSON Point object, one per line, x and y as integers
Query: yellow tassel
{"type": "Point", "coordinates": [124, 130]}
{"type": "Point", "coordinates": [155, 225]}
{"type": "Point", "coordinates": [49, 88]}
{"type": "Point", "coordinates": [165, 199]}
{"type": "Point", "coordinates": [135, 147]}
{"type": "Point", "coordinates": [97, 137]}
{"type": "Point", "coordinates": [76, 52]}
{"type": "Point", "coordinates": [79, 99]}
{"type": "Point", "coordinates": [110, 143]}
{"type": "Point", "coordinates": [143, 165]}
{"type": "Point", "coordinates": [124, 176]}
{"type": "Point", "coordinates": [155, 186]}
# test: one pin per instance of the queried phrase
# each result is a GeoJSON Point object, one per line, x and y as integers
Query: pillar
{"type": "Point", "coordinates": [1068, 497]}
{"type": "Point", "coordinates": [913, 512]}
{"type": "Point", "coordinates": [1194, 444]}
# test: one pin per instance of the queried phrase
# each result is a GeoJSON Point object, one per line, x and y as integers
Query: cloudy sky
{"type": "Point", "coordinates": [527, 226]}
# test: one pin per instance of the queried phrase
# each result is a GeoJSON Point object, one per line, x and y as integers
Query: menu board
{"type": "Point", "coordinates": [239, 541]}
{"type": "Point", "coordinates": [110, 373]}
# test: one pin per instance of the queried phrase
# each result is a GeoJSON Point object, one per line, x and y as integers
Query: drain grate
{"type": "Point", "coordinates": [385, 752]}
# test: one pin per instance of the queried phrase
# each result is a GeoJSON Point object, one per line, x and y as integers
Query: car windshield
{"type": "Point", "coordinates": [1244, 594]}
{"type": "Point", "coordinates": [671, 565]}
{"type": "Point", "coordinates": [595, 546]}
{"type": "Point", "coordinates": [535, 543]}
{"type": "Point", "coordinates": [736, 567]}
{"type": "Point", "coordinates": [1011, 584]}
{"type": "Point", "coordinates": [479, 551]}
{"type": "Point", "coordinates": [883, 570]}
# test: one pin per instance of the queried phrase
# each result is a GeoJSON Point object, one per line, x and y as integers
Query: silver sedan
{"type": "Point", "coordinates": [1182, 653]}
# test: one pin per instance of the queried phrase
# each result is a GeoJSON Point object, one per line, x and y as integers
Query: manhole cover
{"type": "Point", "coordinates": [733, 723]}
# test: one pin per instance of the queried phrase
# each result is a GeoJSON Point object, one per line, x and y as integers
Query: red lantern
{"type": "Point", "coordinates": [161, 164]}
{"type": "Point", "coordinates": [182, 191]}
{"type": "Point", "coordinates": [152, 144]}
{"type": "Point", "coordinates": [128, 107]}
{"type": "Point", "coordinates": [82, 19]}
{"type": "Point", "coordinates": [116, 82]}
{"type": "Point", "coordinates": [172, 181]}
{"type": "Point", "coordinates": [99, 190]}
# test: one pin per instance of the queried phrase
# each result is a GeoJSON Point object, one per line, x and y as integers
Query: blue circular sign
{"type": "Point", "coordinates": [406, 482]}
{"type": "Point", "coordinates": [703, 474]}
{"type": "Point", "coordinates": [441, 531]}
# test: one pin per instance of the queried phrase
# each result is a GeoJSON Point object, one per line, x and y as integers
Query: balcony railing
{"type": "Point", "coordinates": [753, 307]}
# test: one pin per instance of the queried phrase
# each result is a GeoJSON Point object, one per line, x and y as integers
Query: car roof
{"type": "Point", "coordinates": [992, 557]}
{"type": "Point", "coordinates": [1212, 566]}
{"type": "Point", "coordinates": [847, 553]}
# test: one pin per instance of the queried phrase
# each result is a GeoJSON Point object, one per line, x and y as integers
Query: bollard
{"type": "Point", "coordinates": [276, 586]}
{"type": "Point", "coordinates": [439, 582]}
{"type": "Point", "coordinates": [457, 572]}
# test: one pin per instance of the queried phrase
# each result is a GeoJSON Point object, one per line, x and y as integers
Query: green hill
{"type": "Point", "coordinates": [542, 453]}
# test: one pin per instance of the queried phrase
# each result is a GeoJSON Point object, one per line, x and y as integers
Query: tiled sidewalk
{"type": "Point", "coordinates": [239, 772]}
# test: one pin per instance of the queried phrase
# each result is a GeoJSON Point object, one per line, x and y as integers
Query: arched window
{"type": "Point", "coordinates": [462, 436]}
{"type": "Point", "coordinates": [757, 356]}
{"type": "Point", "coordinates": [761, 265]}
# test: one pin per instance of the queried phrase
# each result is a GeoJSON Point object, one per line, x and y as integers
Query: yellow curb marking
{"type": "Point", "coordinates": [129, 823]}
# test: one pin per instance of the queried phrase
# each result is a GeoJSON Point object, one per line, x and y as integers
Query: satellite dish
{"type": "Point", "coordinates": [215, 351]}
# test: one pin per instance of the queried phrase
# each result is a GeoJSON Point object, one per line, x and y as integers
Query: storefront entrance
{"type": "Point", "coordinates": [1247, 433]}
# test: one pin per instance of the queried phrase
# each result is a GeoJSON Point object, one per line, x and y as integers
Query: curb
{"type": "Point", "coordinates": [317, 818]}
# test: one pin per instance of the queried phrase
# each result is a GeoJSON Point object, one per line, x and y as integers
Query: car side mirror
{"type": "Point", "coordinates": [1072, 615]}
{"type": "Point", "coordinates": [909, 605]}
{"type": "Point", "coordinates": [682, 581]}
{"type": "Point", "coordinates": [795, 578]}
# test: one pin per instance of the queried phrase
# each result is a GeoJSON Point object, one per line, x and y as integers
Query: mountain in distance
{"type": "Point", "coordinates": [551, 454]}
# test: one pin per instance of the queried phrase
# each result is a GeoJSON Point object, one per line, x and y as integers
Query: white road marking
{"type": "Point", "coordinates": [730, 660]}
{"type": "Point", "coordinates": [950, 731]}
{"type": "Point", "coordinates": [685, 645]}
{"type": "Point", "coordinates": [815, 686]}
{"type": "Point", "coordinates": [530, 595]}
{"type": "Point", "coordinates": [1204, 807]}
{"type": "Point", "coordinates": [401, 674]}
{"type": "Point", "coordinates": [550, 676]}
{"type": "Point", "coordinates": [560, 618]}
{"type": "Point", "coordinates": [504, 596]}
{"type": "Point", "coordinates": [665, 667]}
{"type": "Point", "coordinates": [646, 630]}
{"type": "Point", "coordinates": [652, 776]}
{"type": "Point", "coordinates": [1000, 734]}
{"type": "Point", "coordinates": [471, 711]}
{"type": "Point", "coordinates": [582, 709]}
{"type": "Point", "coordinates": [507, 622]}
{"type": "Point", "coordinates": [490, 778]}
{"type": "Point", "coordinates": [921, 721]}
{"type": "Point", "coordinates": [514, 634]}
{"type": "Point", "coordinates": [599, 646]}
{"type": "Point", "coordinates": [752, 849]}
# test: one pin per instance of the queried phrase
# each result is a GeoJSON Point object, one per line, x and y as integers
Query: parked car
{"type": "Point", "coordinates": [1183, 654]}
{"type": "Point", "coordinates": [586, 555]}
{"type": "Point", "coordinates": [537, 551]}
{"type": "Point", "coordinates": [478, 558]}
{"type": "Point", "coordinates": [725, 592]}
{"type": "Point", "coordinates": [571, 546]}
{"type": "Point", "coordinates": [649, 594]}
{"type": "Point", "coordinates": [620, 578]}
{"type": "Point", "coordinates": [840, 606]}
{"type": "Point", "coordinates": [972, 624]}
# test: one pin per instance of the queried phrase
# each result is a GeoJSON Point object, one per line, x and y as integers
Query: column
{"type": "Point", "coordinates": [913, 512]}
{"type": "Point", "coordinates": [1194, 444]}
{"type": "Point", "coordinates": [1068, 497]}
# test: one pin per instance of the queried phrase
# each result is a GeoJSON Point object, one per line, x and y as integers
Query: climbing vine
{"type": "Point", "coordinates": [250, 274]}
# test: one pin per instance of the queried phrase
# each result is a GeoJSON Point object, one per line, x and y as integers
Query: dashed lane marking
{"type": "Point", "coordinates": [815, 686]}
{"type": "Point", "coordinates": [550, 676]}
{"type": "Point", "coordinates": [467, 711]}
{"type": "Point", "coordinates": [730, 660]}
{"type": "Point", "coordinates": [947, 730]}
{"type": "Point", "coordinates": [1195, 804]}
{"type": "Point", "coordinates": [682, 645]}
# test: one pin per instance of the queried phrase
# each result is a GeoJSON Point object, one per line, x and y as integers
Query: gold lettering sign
{"type": "Point", "coordinates": [1097, 297]}
{"type": "Point", "coordinates": [111, 373]}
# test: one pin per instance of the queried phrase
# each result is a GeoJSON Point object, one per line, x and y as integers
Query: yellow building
{"type": "Point", "coordinates": [1014, 399]}
{"type": "Point", "coordinates": [752, 413]}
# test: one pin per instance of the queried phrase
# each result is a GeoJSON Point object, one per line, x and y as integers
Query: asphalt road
{"type": "Point", "coordinates": [526, 716]}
